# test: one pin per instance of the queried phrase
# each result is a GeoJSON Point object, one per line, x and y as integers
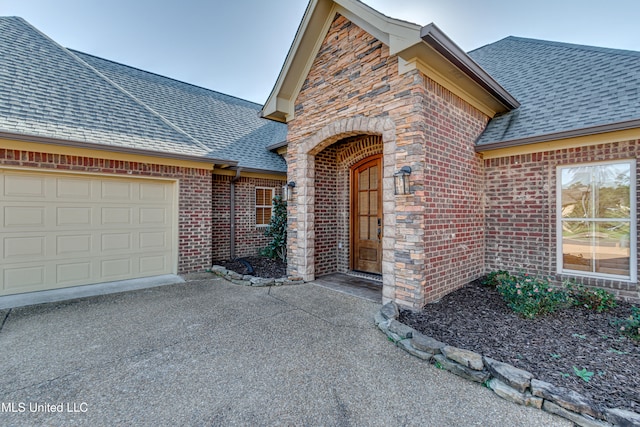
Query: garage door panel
{"type": "Point", "coordinates": [116, 216]}
{"type": "Point", "coordinates": [21, 248]}
{"type": "Point", "coordinates": [153, 192]}
{"type": "Point", "coordinates": [153, 240]}
{"type": "Point", "coordinates": [74, 244]}
{"type": "Point", "coordinates": [73, 189]}
{"type": "Point", "coordinates": [152, 264]}
{"type": "Point", "coordinates": [74, 216]}
{"type": "Point", "coordinates": [21, 186]}
{"type": "Point", "coordinates": [116, 242]}
{"type": "Point", "coordinates": [74, 273]}
{"type": "Point", "coordinates": [24, 278]}
{"type": "Point", "coordinates": [24, 216]}
{"type": "Point", "coordinates": [116, 190]}
{"type": "Point", "coordinates": [59, 230]}
{"type": "Point", "coordinates": [115, 268]}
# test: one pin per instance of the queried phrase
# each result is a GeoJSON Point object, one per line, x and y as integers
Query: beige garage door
{"type": "Point", "coordinates": [62, 230]}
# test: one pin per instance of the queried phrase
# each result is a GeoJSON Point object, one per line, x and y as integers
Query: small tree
{"type": "Point", "coordinates": [277, 230]}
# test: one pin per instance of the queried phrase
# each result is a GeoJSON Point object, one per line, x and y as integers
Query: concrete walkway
{"type": "Point", "coordinates": [208, 352]}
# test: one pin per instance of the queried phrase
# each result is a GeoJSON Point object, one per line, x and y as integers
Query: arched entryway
{"type": "Point", "coordinates": [320, 238]}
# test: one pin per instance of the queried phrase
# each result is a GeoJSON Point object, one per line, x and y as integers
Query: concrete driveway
{"type": "Point", "coordinates": [207, 352]}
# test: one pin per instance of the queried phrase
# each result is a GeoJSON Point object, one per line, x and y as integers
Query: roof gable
{"type": "Point", "coordinates": [427, 49]}
{"type": "Point", "coordinates": [565, 89]}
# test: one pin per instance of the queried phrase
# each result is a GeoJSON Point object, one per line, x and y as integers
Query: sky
{"type": "Point", "coordinates": [238, 47]}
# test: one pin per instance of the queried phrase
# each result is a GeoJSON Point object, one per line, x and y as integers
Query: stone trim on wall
{"type": "Point", "coordinates": [304, 255]}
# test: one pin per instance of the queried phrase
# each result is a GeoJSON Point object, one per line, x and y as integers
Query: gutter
{"type": "Point", "coordinates": [573, 133]}
{"type": "Point", "coordinates": [112, 149]}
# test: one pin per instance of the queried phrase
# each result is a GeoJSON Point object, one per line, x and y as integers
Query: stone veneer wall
{"type": "Point", "coordinates": [521, 211]}
{"type": "Point", "coordinates": [353, 88]}
{"type": "Point", "coordinates": [194, 203]}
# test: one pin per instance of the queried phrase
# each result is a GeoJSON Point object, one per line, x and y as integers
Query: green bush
{"type": "Point", "coordinates": [530, 296]}
{"type": "Point", "coordinates": [593, 299]}
{"type": "Point", "coordinates": [631, 325]}
{"type": "Point", "coordinates": [277, 230]}
{"type": "Point", "coordinates": [494, 278]}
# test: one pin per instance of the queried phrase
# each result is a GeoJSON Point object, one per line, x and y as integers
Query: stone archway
{"type": "Point", "coordinates": [303, 253]}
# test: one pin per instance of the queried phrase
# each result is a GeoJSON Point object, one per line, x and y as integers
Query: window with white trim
{"type": "Point", "coordinates": [264, 197]}
{"type": "Point", "coordinates": [597, 220]}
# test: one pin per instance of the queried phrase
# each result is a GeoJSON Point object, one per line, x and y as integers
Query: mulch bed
{"type": "Point", "coordinates": [262, 266]}
{"type": "Point", "coordinates": [476, 318]}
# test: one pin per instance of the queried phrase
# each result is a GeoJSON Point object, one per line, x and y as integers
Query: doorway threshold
{"type": "Point", "coordinates": [361, 287]}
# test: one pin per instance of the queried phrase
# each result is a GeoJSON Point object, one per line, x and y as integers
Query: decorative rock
{"type": "Point", "coordinates": [426, 344]}
{"type": "Point", "coordinates": [406, 346]}
{"type": "Point", "coordinates": [510, 375]}
{"type": "Point", "coordinates": [464, 357]}
{"type": "Point", "coordinates": [294, 279]}
{"type": "Point", "coordinates": [247, 277]}
{"type": "Point", "coordinates": [623, 418]}
{"type": "Point", "coordinates": [280, 280]}
{"type": "Point", "coordinates": [234, 275]}
{"type": "Point", "coordinates": [460, 370]}
{"type": "Point", "coordinates": [513, 395]}
{"type": "Point", "coordinates": [241, 282]}
{"type": "Point", "coordinates": [218, 269]}
{"type": "Point", "coordinates": [580, 420]}
{"type": "Point", "coordinates": [400, 329]}
{"type": "Point", "coordinates": [379, 318]}
{"type": "Point", "coordinates": [565, 398]}
{"type": "Point", "coordinates": [390, 310]}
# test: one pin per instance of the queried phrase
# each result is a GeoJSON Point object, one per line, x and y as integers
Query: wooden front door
{"type": "Point", "coordinates": [366, 193]}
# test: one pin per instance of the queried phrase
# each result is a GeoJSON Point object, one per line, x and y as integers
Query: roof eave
{"type": "Point", "coordinates": [573, 133]}
{"type": "Point", "coordinates": [439, 41]}
{"type": "Point", "coordinates": [113, 149]}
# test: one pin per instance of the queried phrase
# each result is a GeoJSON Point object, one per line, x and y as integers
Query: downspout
{"type": "Point", "coordinates": [232, 215]}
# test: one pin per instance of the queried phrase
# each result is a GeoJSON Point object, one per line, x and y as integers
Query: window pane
{"type": "Point", "coordinates": [259, 216]}
{"type": "Point", "coordinates": [612, 191]}
{"type": "Point", "coordinates": [576, 192]}
{"type": "Point", "coordinates": [373, 182]}
{"type": "Point", "coordinates": [373, 228]}
{"type": "Point", "coordinates": [260, 197]}
{"type": "Point", "coordinates": [363, 180]}
{"type": "Point", "coordinates": [364, 228]}
{"type": "Point", "coordinates": [612, 250]}
{"type": "Point", "coordinates": [373, 203]}
{"type": "Point", "coordinates": [576, 245]}
{"type": "Point", "coordinates": [363, 203]}
{"type": "Point", "coordinates": [268, 197]}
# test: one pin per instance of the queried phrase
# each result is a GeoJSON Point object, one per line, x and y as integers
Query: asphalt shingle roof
{"type": "Point", "coordinates": [47, 90]}
{"type": "Point", "coordinates": [561, 86]}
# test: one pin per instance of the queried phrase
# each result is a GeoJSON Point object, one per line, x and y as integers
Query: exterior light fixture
{"type": "Point", "coordinates": [401, 180]}
{"type": "Point", "coordinates": [287, 190]}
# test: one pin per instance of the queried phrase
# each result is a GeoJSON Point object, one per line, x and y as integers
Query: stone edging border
{"type": "Point", "coordinates": [510, 383]}
{"type": "Point", "coordinates": [248, 280]}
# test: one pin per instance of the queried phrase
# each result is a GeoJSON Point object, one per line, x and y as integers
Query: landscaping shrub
{"type": "Point", "coordinates": [494, 278]}
{"type": "Point", "coordinates": [277, 230]}
{"type": "Point", "coordinates": [530, 296]}
{"type": "Point", "coordinates": [593, 299]}
{"type": "Point", "coordinates": [631, 325]}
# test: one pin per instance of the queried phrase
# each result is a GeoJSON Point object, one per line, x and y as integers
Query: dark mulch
{"type": "Point", "coordinates": [262, 266]}
{"type": "Point", "coordinates": [476, 318]}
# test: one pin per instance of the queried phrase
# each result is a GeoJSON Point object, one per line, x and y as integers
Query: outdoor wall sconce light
{"type": "Point", "coordinates": [401, 179]}
{"type": "Point", "coordinates": [287, 190]}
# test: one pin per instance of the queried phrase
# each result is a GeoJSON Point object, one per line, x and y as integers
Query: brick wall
{"type": "Point", "coordinates": [521, 210]}
{"type": "Point", "coordinates": [453, 191]}
{"type": "Point", "coordinates": [249, 237]}
{"type": "Point", "coordinates": [194, 205]}
{"type": "Point", "coordinates": [353, 87]}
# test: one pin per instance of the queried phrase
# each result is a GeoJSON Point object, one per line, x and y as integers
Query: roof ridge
{"type": "Point", "coordinates": [164, 77]}
{"type": "Point", "coordinates": [608, 50]}
{"type": "Point", "coordinates": [138, 101]}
